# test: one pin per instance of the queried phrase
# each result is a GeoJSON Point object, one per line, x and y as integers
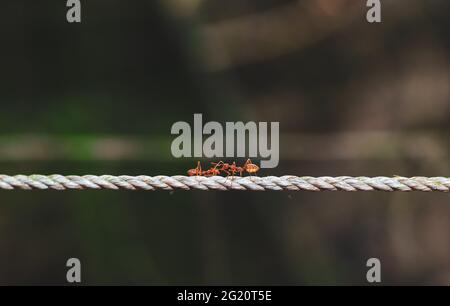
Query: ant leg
{"type": "Point", "coordinates": [220, 163]}
{"type": "Point", "coordinates": [244, 167]}
{"type": "Point", "coordinates": [199, 168]}
{"type": "Point", "coordinates": [228, 174]}
{"type": "Point", "coordinates": [216, 165]}
{"type": "Point", "coordinates": [247, 162]}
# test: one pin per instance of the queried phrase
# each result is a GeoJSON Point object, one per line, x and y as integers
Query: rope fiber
{"type": "Point", "coordinates": [254, 183]}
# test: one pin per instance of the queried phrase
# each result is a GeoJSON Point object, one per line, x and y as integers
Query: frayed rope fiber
{"type": "Point", "coordinates": [253, 183]}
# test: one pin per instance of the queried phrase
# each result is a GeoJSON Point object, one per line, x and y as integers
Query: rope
{"type": "Point", "coordinates": [254, 183]}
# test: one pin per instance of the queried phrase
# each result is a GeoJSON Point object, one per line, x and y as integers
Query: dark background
{"type": "Point", "coordinates": [99, 97]}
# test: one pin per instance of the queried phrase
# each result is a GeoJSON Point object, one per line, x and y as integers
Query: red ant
{"type": "Point", "coordinates": [229, 169]}
{"type": "Point", "coordinates": [232, 169]}
{"type": "Point", "coordinates": [211, 172]}
{"type": "Point", "coordinates": [198, 171]}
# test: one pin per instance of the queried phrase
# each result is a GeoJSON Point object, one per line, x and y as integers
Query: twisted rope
{"type": "Point", "coordinates": [287, 182]}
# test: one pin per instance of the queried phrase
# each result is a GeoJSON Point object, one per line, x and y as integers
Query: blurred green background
{"type": "Point", "coordinates": [99, 97]}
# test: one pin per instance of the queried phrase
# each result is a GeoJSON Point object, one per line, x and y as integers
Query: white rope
{"type": "Point", "coordinates": [254, 183]}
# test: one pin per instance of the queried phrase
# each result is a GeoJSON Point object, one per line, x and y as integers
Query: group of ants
{"type": "Point", "coordinates": [228, 169]}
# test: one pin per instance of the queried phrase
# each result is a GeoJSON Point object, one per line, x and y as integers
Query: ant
{"type": "Point", "coordinates": [232, 169]}
{"type": "Point", "coordinates": [229, 169]}
{"type": "Point", "coordinates": [211, 172]}
{"type": "Point", "coordinates": [198, 171]}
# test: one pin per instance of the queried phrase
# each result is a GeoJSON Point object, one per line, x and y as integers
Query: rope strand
{"type": "Point", "coordinates": [254, 183]}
